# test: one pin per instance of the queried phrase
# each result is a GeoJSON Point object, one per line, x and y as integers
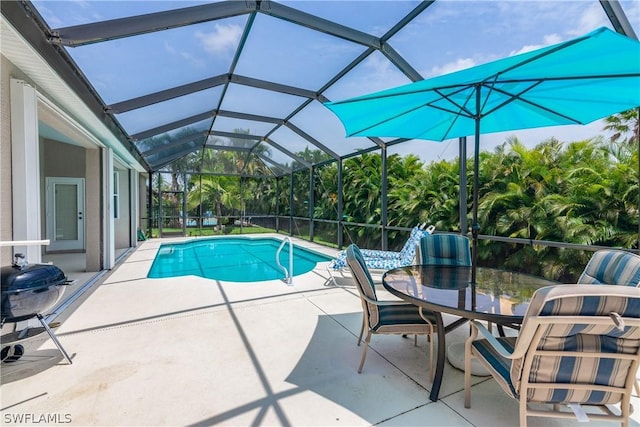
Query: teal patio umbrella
{"type": "Point", "coordinates": [573, 82]}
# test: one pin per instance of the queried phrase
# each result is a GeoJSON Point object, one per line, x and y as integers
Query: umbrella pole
{"type": "Point", "coordinates": [462, 162]}
{"type": "Point", "coordinates": [475, 227]}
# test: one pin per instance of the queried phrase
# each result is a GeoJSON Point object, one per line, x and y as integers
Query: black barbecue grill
{"type": "Point", "coordinates": [27, 291]}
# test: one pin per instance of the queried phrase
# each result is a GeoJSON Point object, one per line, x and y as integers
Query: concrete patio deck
{"type": "Point", "coordinates": [192, 351]}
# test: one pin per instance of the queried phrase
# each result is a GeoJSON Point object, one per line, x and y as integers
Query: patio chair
{"type": "Point", "coordinates": [444, 249]}
{"type": "Point", "coordinates": [386, 317]}
{"type": "Point", "coordinates": [578, 349]}
{"type": "Point", "coordinates": [377, 260]}
{"type": "Point", "coordinates": [447, 249]}
{"type": "Point", "coordinates": [612, 267]}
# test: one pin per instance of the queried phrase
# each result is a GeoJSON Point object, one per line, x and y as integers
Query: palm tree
{"type": "Point", "coordinates": [625, 126]}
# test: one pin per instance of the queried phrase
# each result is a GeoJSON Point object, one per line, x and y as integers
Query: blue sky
{"type": "Point", "coordinates": [448, 36]}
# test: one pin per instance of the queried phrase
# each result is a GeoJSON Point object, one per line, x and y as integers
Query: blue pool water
{"type": "Point", "coordinates": [234, 259]}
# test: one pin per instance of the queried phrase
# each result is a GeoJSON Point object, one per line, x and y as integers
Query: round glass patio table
{"type": "Point", "coordinates": [498, 296]}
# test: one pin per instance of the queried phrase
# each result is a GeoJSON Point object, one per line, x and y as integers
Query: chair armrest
{"type": "Point", "coordinates": [486, 334]}
{"type": "Point", "coordinates": [387, 302]}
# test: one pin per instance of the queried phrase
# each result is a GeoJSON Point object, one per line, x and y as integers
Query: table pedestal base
{"type": "Point", "coordinates": [455, 354]}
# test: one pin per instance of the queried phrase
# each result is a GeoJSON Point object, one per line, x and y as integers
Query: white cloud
{"type": "Point", "coordinates": [186, 56]}
{"type": "Point", "coordinates": [457, 65]}
{"type": "Point", "coordinates": [592, 18]}
{"type": "Point", "coordinates": [382, 74]}
{"type": "Point", "coordinates": [222, 39]}
{"type": "Point", "coordinates": [548, 40]}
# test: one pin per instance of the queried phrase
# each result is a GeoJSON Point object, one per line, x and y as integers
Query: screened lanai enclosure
{"type": "Point", "coordinates": [223, 102]}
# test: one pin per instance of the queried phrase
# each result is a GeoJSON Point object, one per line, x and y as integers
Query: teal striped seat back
{"type": "Point", "coordinates": [579, 327]}
{"type": "Point", "coordinates": [612, 267]}
{"type": "Point", "coordinates": [364, 282]}
{"type": "Point", "coordinates": [444, 249]}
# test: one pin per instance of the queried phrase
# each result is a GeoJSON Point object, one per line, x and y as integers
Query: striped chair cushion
{"type": "Point", "coordinates": [612, 267]}
{"type": "Point", "coordinates": [501, 366]}
{"type": "Point", "coordinates": [586, 338]}
{"type": "Point", "coordinates": [400, 316]}
{"type": "Point", "coordinates": [444, 249]}
{"type": "Point", "coordinates": [364, 281]}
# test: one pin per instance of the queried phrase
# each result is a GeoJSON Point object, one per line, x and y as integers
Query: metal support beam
{"type": "Point", "coordinates": [241, 175]}
{"type": "Point", "coordinates": [150, 207]}
{"type": "Point", "coordinates": [176, 156]}
{"type": "Point", "coordinates": [393, 56]}
{"type": "Point", "coordinates": [311, 201]}
{"type": "Point", "coordinates": [621, 24]}
{"type": "Point", "coordinates": [318, 24]}
{"type": "Point", "coordinates": [189, 88]}
{"type": "Point", "coordinates": [173, 125]}
{"type": "Point", "coordinates": [618, 18]}
{"type": "Point", "coordinates": [184, 215]}
{"type": "Point", "coordinates": [247, 116]}
{"type": "Point", "coordinates": [340, 204]}
{"type": "Point", "coordinates": [235, 135]}
{"type": "Point", "coordinates": [269, 141]}
{"type": "Point", "coordinates": [184, 140]}
{"type": "Point", "coordinates": [353, 64]}
{"type": "Point", "coordinates": [160, 205]}
{"type": "Point", "coordinates": [277, 207]}
{"type": "Point", "coordinates": [287, 152]}
{"type": "Point", "coordinates": [228, 148]}
{"type": "Point", "coordinates": [270, 161]}
{"type": "Point", "coordinates": [291, 199]}
{"type": "Point", "coordinates": [275, 87]}
{"type": "Point", "coordinates": [165, 95]}
{"type": "Point", "coordinates": [79, 35]}
{"type": "Point", "coordinates": [312, 140]}
{"type": "Point", "coordinates": [407, 19]}
{"type": "Point", "coordinates": [383, 199]}
{"type": "Point", "coordinates": [396, 59]}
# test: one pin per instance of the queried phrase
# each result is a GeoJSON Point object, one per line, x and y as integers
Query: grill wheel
{"type": "Point", "coordinates": [11, 353]}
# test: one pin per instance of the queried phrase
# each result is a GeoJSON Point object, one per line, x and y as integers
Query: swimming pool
{"type": "Point", "coordinates": [233, 259]}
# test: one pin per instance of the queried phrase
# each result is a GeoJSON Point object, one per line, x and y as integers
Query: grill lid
{"type": "Point", "coordinates": [21, 276]}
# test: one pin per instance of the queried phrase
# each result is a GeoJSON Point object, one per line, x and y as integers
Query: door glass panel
{"type": "Point", "coordinates": [66, 205]}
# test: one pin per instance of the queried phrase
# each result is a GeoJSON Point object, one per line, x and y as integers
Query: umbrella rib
{"type": "Point", "coordinates": [518, 96]}
{"type": "Point", "coordinates": [512, 97]}
{"type": "Point", "coordinates": [561, 78]}
{"type": "Point", "coordinates": [428, 104]}
{"type": "Point", "coordinates": [460, 107]}
{"type": "Point", "coordinates": [545, 53]}
{"type": "Point", "coordinates": [373, 96]}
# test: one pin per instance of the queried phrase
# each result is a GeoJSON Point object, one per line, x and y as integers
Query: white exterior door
{"type": "Point", "coordinates": [65, 214]}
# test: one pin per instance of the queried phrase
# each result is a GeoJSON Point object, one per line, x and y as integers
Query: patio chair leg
{"type": "Point", "coordinates": [333, 278]}
{"type": "Point", "coordinates": [467, 375]}
{"type": "Point", "coordinates": [361, 329]}
{"type": "Point", "coordinates": [523, 411]}
{"type": "Point", "coordinates": [364, 351]}
{"type": "Point", "coordinates": [473, 334]}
